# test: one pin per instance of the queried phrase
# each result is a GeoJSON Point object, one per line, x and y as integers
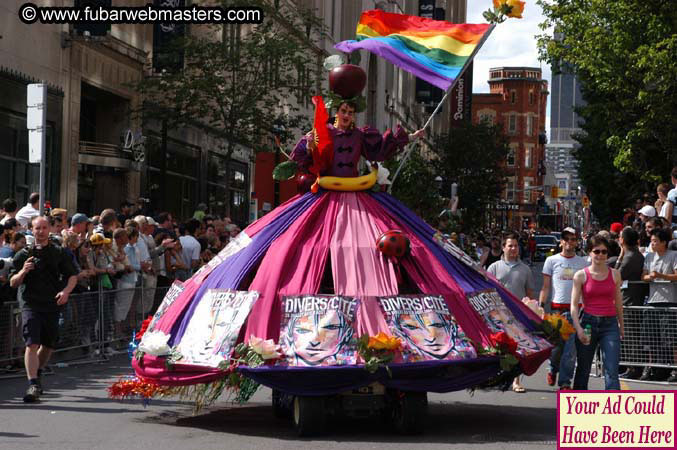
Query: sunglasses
{"type": "Point", "coordinates": [598, 251]}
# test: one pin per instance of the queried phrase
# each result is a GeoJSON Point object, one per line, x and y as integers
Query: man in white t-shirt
{"type": "Point", "coordinates": [660, 270]}
{"type": "Point", "coordinates": [558, 272]}
{"type": "Point", "coordinates": [26, 214]}
{"type": "Point", "coordinates": [190, 246]}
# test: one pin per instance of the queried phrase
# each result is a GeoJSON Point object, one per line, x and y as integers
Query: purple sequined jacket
{"type": "Point", "coordinates": [350, 145]}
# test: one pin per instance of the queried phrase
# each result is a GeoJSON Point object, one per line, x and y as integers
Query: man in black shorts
{"type": "Point", "coordinates": [40, 274]}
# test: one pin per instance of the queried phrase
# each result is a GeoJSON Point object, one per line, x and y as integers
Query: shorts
{"type": "Point", "coordinates": [123, 300]}
{"type": "Point", "coordinates": [40, 328]}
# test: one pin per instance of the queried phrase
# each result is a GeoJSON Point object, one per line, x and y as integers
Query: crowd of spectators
{"type": "Point", "coordinates": [115, 251]}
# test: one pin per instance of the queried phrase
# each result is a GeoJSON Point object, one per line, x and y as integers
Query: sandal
{"type": "Point", "coordinates": [518, 389]}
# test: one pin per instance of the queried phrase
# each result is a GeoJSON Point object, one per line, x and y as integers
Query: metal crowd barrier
{"type": "Point", "coordinates": [650, 334]}
{"type": "Point", "coordinates": [650, 337]}
{"type": "Point", "coordinates": [87, 329]}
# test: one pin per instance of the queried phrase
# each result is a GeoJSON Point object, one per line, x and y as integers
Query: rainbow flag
{"type": "Point", "coordinates": [433, 50]}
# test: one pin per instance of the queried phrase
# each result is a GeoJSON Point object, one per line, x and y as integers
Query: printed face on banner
{"type": "Point", "coordinates": [427, 328]}
{"type": "Point", "coordinates": [498, 317]}
{"type": "Point", "coordinates": [215, 326]}
{"type": "Point", "coordinates": [172, 294]}
{"type": "Point", "coordinates": [318, 330]}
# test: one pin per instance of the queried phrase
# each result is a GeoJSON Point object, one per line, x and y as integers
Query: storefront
{"type": "Point", "coordinates": [18, 178]}
{"type": "Point", "coordinates": [183, 175]}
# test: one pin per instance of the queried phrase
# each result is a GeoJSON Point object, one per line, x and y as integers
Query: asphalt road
{"type": "Point", "coordinates": [75, 413]}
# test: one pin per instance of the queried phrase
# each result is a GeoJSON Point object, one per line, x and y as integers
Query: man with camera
{"type": "Point", "coordinates": [40, 273]}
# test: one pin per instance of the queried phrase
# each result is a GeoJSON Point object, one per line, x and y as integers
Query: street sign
{"type": "Point", "coordinates": [505, 207]}
{"type": "Point", "coordinates": [36, 122]}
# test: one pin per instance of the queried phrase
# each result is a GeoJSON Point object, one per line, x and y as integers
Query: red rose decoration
{"type": "Point", "coordinates": [504, 342]}
{"type": "Point", "coordinates": [144, 327]}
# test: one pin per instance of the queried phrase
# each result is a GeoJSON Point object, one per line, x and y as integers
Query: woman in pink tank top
{"type": "Point", "coordinates": [602, 313]}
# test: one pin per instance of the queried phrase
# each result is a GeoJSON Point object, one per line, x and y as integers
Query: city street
{"type": "Point", "coordinates": [75, 413]}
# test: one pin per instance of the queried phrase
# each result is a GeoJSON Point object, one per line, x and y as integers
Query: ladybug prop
{"type": "Point", "coordinates": [393, 243]}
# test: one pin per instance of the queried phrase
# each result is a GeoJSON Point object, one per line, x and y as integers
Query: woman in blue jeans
{"type": "Point", "coordinates": [600, 288]}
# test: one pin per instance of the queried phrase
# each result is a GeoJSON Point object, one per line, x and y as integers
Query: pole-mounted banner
{"type": "Point", "coordinates": [36, 122]}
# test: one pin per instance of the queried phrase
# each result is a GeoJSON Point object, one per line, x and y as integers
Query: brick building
{"type": "Point", "coordinates": [517, 100]}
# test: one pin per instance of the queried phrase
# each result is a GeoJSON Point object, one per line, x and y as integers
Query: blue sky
{"type": "Point", "coordinates": [512, 43]}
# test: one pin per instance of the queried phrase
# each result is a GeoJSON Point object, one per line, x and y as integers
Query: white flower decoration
{"type": "Point", "coordinates": [382, 175]}
{"type": "Point", "coordinates": [155, 343]}
{"type": "Point", "coordinates": [267, 349]}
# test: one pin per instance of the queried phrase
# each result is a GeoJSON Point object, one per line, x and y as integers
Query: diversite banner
{"type": "Point", "coordinates": [318, 330]}
{"type": "Point", "coordinates": [427, 328]}
{"type": "Point", "coordinates": [498, 317]}
{"type": "Point", "coordinates": [215, 326]}
{"type": "Point", "coordinates": [172, 294]}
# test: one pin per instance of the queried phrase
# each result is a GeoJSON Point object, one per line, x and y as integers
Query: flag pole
{"type": "Point", "coordinates": [439, 105]}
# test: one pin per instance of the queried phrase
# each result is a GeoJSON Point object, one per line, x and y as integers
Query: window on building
{"type": "Point", "coordinates": [510, 159]}
{"type": "Point", "coordinates": [217, 168]}
{"type": "Point", "coordinates": [512, 124]}
{"type": "Point", "coordinates": [530, 125]}
{"type": "Point", "coordinates": [527, 158]}
{"type": "Point", "coordinates": [531, 97]}
{"type": "Point", "coordinates": [513, 97]}
{"type": "Point", "coordinates": [239, 203]}
{"type": "Point", "coordinates": [510, 190]}
{"type": "Point", "coordinates": [526, 198]}
{"type": "Point", "coordinates": [487, 117]}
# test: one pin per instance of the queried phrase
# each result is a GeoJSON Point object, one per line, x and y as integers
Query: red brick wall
{"type": "Point", "coordinates": [500, 102]}
{"type": "Point", "coordinates": [264, 184]}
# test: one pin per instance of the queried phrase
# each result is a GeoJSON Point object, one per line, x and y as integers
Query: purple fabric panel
{"type": "Point", "coordinates": [464, 276]}
{"type": "Point", "coordinates": [301, 155]}
{"type": "Point", "coordinates": [400, 60]}
{"type": "Point", "coordinates": [230, 273]}
{"type": "Point", "coordinates": [428, 376]}
{"type": "Point", "coordinates": [377, 147]}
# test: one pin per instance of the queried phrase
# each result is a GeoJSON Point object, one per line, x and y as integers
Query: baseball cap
{"type": "Point", "coordinates": [648, 211]}
{"type": "Point", "coordinates": [616, 227]}
{"type": "Point", "coordinates": [140, 220]}
{"type": "Point", "coordinates": [151, 221]}
{"type": "Point", "coordinates": [79, 218]}
{"type": "Point", "coordinates": [99, 239]}
{"type": "Point", "coordinates": [568, 231]}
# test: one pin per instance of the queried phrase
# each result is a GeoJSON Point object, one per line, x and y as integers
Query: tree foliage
{"type": "Point", "coordinates": [240, 82]}
{"type": "Point", "coordinates": [623, 53]}
{"type": "Point", "coordinates": [415, 187]}
{"type": "Point", "coordinates": [473, 156]}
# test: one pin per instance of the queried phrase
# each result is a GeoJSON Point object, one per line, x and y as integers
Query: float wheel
{"type": "Point", "coordinates": [309, 415]}
{"type": "Point", "coordinates": [410, 411]}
